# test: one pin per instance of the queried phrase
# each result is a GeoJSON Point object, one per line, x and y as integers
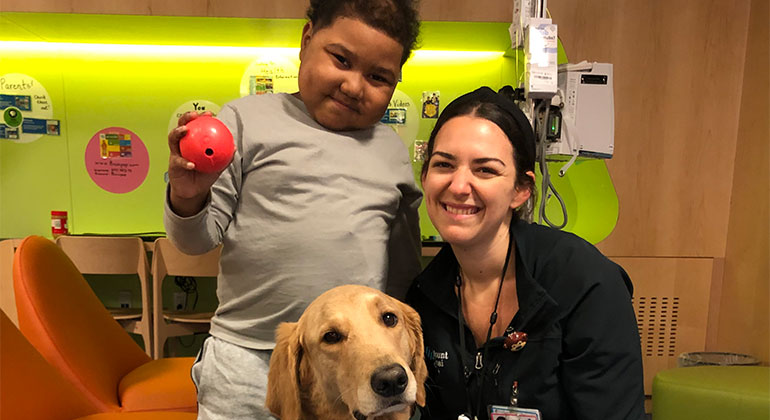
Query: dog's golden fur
{"type": "Point", "coordinates": [317, 375]}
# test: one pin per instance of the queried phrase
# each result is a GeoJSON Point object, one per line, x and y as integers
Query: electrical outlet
{"type": "Point", "coordinates": [179, 300]}
{"type": "Point", "coordinates": [124, 298]}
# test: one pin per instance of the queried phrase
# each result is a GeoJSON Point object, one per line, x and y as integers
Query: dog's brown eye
{"type": "Point", "coordinates": [332, 337]}
{"type": "Point", "coordinates": [390, 319]}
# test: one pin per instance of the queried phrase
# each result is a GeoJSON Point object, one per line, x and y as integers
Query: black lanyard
{"type": "Point", "coordinates": [492, 320]}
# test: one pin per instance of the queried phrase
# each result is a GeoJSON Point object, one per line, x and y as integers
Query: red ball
{"type": "Point", "coordinates": [208, 144]}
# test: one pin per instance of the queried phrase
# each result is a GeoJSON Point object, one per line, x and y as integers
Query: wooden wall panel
{"type": "Point", "coordinates": [467, 10]}
{"type": "Point", "coordinates": [672, 297]}
{"type": "Point", "coordinates": [53, 6]}
{"type": "Point", "coordinates": [136, 7]}
{"type": "Point", "coordinates": [133, 7]}
{"type": "Point", "coordinates": [744, 322]}
{"type": "Point", "coordinates": [678, 69]}
{"type": "Point", "coordinates": [219, 8]}
{"type": "Point", "coordinates": [176, 7]}
{"type": "Point", "coordinates": [294, 9]}
{"type": "Point", "coordinates": [441, 10]}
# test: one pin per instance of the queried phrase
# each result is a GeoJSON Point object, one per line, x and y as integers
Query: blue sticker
{"type": "Point", "coordinates": [394, 116]}
{"type": "Point", "coordinates": [10, 133]}
{"type": "Point", "coordinates": [23, 102]}
{"type": "Point", "coordinates": [34, 126]}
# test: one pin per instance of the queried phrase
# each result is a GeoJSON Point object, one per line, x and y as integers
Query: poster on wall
{"type": "Point", "coordinates": [198, 105]}
{"type": "Point", "coordinates": [271, 73]}
{"type": "Point", "coordinates": [117, 160]}
{"type": "Point", "coordinates": [403, 117]}
{"type": "Point", "coordinates": [26, 109]}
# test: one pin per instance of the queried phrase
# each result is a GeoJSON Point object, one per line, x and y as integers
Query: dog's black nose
{"type": "Point", "coordinates": [389, 380]}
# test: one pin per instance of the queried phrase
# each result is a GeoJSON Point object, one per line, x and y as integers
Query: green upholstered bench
{"type": "Point", "coordinates": [712, 392]}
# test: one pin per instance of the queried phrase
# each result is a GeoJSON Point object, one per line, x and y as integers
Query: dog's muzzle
{"type": "Point", "coordinates": [389, 381]}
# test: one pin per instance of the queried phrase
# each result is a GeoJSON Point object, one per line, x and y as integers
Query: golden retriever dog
{"type": "Point", "coordinates": [355, 353]}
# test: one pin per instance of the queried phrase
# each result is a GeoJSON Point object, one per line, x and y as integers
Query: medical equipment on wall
{"type": "Point", "coordinates": [523, 11]}
{"type": "Point", "coordinates": [577, 122]}
{"type": "Point", "coordinates": [587, 119]}
{"type": "Point", "coordinates": [571, 106]}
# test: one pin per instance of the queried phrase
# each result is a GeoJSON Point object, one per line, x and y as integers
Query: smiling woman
{"type": "Point", "coordinates": [568, 344]}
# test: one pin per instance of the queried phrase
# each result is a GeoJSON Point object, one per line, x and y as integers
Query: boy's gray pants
{"type": "Point", "coordinates": [231, 381]}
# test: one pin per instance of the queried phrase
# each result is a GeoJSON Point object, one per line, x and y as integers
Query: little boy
{"type": "Point", "coordinates": [318, 194]}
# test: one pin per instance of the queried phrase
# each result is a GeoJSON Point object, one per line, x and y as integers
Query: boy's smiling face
{"type": "Point", "coordinates": [348, 73]}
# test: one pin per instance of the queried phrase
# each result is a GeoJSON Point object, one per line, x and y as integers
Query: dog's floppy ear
{"type": "Point", "coordinates": [283, 380]}
{"type": "Point", "coordinates": [414, 327]}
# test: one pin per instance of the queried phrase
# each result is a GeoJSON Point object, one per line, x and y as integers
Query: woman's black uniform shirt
{"type": "Point", "coordinates": [582, 359]}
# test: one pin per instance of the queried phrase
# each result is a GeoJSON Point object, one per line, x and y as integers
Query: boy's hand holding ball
{"type": "Point", "coordinates": [208, 144]}
{"type": "Point", "coordinates": [201, 147]}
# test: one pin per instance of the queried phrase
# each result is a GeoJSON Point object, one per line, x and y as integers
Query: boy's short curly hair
{"type": "Point", "coordinates": [396, 18]}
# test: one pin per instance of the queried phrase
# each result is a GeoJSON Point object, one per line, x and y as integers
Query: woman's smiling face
{"type": "Point", "coordinates": [470, 182]}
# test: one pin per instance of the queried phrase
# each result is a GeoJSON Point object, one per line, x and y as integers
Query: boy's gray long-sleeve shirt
{"type": "Point", "coordinates": [300, 210]}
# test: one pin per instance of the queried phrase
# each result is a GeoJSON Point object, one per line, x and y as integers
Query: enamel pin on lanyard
{"type": "Point", "coordinates": [515, 340]}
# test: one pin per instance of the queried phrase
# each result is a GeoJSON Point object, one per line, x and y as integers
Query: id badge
{"type": "Point", "coordinates": [504, 412]}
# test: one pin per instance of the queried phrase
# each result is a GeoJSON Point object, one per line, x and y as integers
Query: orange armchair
{"type": "Point", "coordinates": [65, 321]}
{"type": "Point", "coordinates": [33, 390]}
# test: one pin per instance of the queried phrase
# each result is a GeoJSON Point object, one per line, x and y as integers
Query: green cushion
{"type": "Point", "coordinates": [712, 392]}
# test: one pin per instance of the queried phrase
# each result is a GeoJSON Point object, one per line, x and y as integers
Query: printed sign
{"type": "Point", "coordinates": [25, 108]}
{"type": "Point", "coordinates": [394, 116]}
{"type": "Point", "coordinates": [430, 104]}
{"type": "Point", "coordinates": [271, 72]}
{"type": "Point", "coordinates": [117, 160]}
{"type": "Point", "coordinates": [403, 116]}
{"type": "Point", "coordinates": [198, 105]}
